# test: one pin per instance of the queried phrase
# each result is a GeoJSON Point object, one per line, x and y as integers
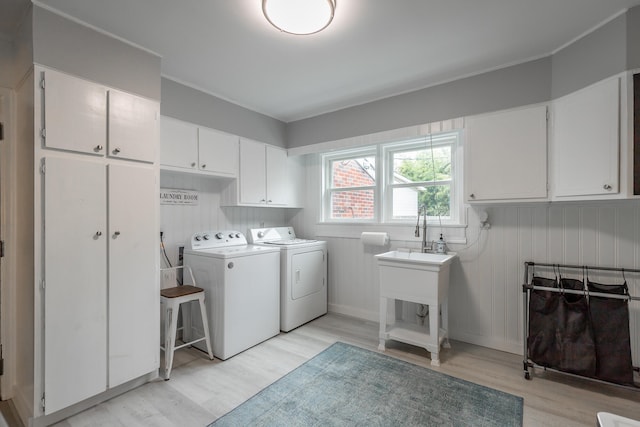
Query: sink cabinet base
{"type": "Point", "coordinates": [413, 334]}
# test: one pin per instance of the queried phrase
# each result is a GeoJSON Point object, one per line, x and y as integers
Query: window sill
{"type": "Point", "coordinates": [453, 233]}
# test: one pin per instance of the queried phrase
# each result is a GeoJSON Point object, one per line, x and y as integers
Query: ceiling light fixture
{"type": "Point", "coordinates": [299, 17]}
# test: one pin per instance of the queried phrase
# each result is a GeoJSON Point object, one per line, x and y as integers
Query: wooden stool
{"type": "Point", "coordinates": [170, 301]}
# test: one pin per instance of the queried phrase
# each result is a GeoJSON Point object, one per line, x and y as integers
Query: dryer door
{"type": "Point", "coordinates": [307, 273]}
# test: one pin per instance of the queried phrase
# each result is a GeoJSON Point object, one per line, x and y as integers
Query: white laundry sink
{"type": "Point", "coordinates": [417, 257]}
{"type": "Point", "coordinates": [421, 278]}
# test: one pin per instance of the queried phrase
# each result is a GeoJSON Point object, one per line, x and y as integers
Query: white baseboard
{"type": "Point", "coordinates": [354, 312]}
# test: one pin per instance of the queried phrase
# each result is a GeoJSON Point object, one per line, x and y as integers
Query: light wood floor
{"type": "Point", "coordinates": [201, 390]}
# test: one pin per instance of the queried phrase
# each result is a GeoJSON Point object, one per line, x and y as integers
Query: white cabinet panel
{"type": "Point", "coordinates": [506, 155]}
{"type": "Point", "coordinates": [133, 285]}
{"type": "Point", "coordinates": [217, 152]}
{"type": "Point", "coordinates": [178, 144]}
{"type": "Point", "coordinates": [75, 114]}
{"type": "Point", "coordinates": [253, 171]}
{"type": "Point", "coordinates": [133, 127]}
{"type": "Point", "coordinates": [75, 295]}
{"type": "Point", "coordinates": [586, 141]}
{"type": "Point", "coordinates": [277, 176]}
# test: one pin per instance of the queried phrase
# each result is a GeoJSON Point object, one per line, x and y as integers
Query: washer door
{"type": "Point", "coordinates": [307, 273]}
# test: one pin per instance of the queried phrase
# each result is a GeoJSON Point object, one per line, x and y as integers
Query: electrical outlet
{"type": "Point", "coordinates": [168, 278]}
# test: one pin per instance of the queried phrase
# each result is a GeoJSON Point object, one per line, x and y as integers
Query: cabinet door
{"type": "Point", "coordinates": [252, 172]}
{"type": "Point", "coordinates": [217, 152]}
{"type": "Point", "coordinates": [586, 141]}
{"type": "Point", "coordinates": [133, 127]}
{"type": "Point", "coordinates": [75, 114]}
{"type": "Point", "coordinates": [134, 301]}
{"type": "Point", "coordinates": [277, 176]}
{"type": "Point", "coordinates": [75, 294]}
{"type": "Point", "coordinates": [178, 144]}
{"type": "Point", "coordinates": [506, 155]}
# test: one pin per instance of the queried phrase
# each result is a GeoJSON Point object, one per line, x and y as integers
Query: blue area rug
{"type": "Point", "coordinates": [349, 386]}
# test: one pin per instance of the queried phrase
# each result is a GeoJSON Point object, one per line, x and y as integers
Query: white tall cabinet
{"type": "Point", "coordinates": [96, 241]}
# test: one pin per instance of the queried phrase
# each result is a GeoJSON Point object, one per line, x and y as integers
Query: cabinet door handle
{"type": "Point", "coordinates": [607, 187]}
{"type": "Point", "coordinates": [263, 201]}
{"type": "Point", "coordinates": [204, 165]}
{"type": "Point", "coordinates": [116, 150]}
{"type": "Point", "coordinates": [193, 164]}
{"type": "Point", "coordinates": [98, 148]}
{"type": "Point", "coordinates": [98, 233]}
{"type": "Point", "coordinates": [116, 233]}
{"type": "Point", "coordinates": [472, 196]}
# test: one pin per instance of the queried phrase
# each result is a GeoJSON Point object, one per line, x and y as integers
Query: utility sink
{"type": "Point", "coordinates": [417, 257]}
{"type": "Point", "coordinates": [421, 278]}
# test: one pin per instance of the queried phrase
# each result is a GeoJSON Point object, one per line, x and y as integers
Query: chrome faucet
{"type": "Point", "coordinates": [422, 210]}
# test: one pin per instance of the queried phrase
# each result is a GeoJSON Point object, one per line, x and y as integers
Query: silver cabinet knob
{"type": "Point", "coordinates": [472, 196]}
{"type": "Point", "coordinates": [116, 233]}
{"type": "Point", "coordinates": [116, 150]}
{"type": "Point", "coordinates": [98, 148]}
{"type": "Point", "coordinates": [263, 200]}
{"type": "Point", "coordinates": [98, 233]}
{"type": "Point", "coordinates": [269, 201]}
{"type": "Point", "coordinates": [193, 164]}
{"type": "Point", "coordinates": [204, 165]}
{"type": "Point", "coordinates": [607, 187]}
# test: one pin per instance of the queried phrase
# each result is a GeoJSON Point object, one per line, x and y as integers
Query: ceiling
{"type": "Point", "coordinates": [372, 50]}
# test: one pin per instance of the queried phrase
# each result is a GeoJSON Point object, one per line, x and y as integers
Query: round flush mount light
{"type": "Point", "coordinates": [299, 17]}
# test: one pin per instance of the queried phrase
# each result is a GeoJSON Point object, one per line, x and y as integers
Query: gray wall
{"type": "Point", "coordinates": [611, 49]}
{"type": "Point", "coordinates": [191, 105]}
{"type": "Point", "coordinates": [509, 87]}
{"type": "Point", "coordinates": [633, 38]}
{"type": "Point", "coordinates": [67, 46]}
{"type": "Point", "coordinates": [594, 57]}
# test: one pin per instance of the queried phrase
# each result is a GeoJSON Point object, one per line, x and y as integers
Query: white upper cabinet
{"type": "Point", "coordinates": [133, 127]}
{"type": "Point", "coordinates": [253, 170]}
{"type": "Point", "coordinates": [185, 147]}
{"type": "Point", "coordinates": [266, 178]}
{"type": "Point", "coordinates": [586, 141]}
{"type": "Point", "coordinates": [277, 175]}
{"type": "Point", "coordinates": [506, 155]}
{"type": "Point", "coordinates": [178, 144]}
{"type": "Point", "coordinates": [75, 114]}
{"type": "Point", "coordinates": [217, 152]}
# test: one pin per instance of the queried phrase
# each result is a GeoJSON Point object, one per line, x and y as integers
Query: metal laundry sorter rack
{"type": "Point", "coordinates": [527, 287]}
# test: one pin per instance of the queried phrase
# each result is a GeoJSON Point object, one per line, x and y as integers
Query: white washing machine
{"type": "Point", "coordinates": [242, 289]}
{"type": "Point", "coordinates": [303, 274]}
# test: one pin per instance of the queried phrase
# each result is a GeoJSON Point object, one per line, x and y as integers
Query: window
{"type": "Point", "coordinates": [415, 173]}
{"type": "Point", "coordinates": [350, 185]}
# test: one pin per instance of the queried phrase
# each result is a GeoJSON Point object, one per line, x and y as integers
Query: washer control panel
{"type": "Point", "coordinates": [217, 239]}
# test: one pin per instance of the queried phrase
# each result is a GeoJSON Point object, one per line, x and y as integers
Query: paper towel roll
{"type": "Point", "coordinates": [374, 239]}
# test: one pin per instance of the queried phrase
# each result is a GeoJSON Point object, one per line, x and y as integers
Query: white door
{"type": "Point", "coordinates": [133, 127]}
{"type": "Point", "coordinates": [217, 152]}
{"type": "Point", "coordinates": [277, 176]}
{"type": "Point", "coordinates": [178, 144]}
{"type": "Point", "coordinates": [75, 114]}
{"type": "Point", "coordinates": [75, 293]}
{"type": "Point", "coordinates": [307, 273]}
{"type": "Point", "coordinates": [134, 293]}
{"type": "Point", "coordinates": [252, 172]}
{"type": "Point", "coordinates": [586, 140]}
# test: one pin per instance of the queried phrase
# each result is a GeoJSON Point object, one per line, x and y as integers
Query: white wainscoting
{"type": "Point", "coordinates": [179, 222]}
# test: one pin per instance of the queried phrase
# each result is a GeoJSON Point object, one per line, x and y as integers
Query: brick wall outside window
{"type": "Point", "coordinates": [356, 203]}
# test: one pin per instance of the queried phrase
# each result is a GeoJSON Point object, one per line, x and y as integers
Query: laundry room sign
{"type": "Point", "coordinates": [171, 196]}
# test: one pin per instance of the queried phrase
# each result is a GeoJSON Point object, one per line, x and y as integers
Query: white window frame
{"type": "Point", "coordinates": [428, 142]}
{"type": "Point", "coordinates": [327, 190]}
{"type": "Point", "coordinates": [382, 189]}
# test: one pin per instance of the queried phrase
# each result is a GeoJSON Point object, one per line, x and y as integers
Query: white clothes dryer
{"type": "Point", "coordinates": [303, 274]}
{"type": "Point", "coordinates": [242, 289]}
